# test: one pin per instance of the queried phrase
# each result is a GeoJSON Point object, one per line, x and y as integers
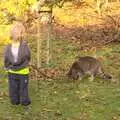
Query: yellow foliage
{"type": "Point", "coordinates": [4, 34]}
{"type": "Point", "coordinates": [16, 7]}
{"type": "Point", "coordinates": [70, 16]}
{"type": "Point", "coordinates": [4, 40]}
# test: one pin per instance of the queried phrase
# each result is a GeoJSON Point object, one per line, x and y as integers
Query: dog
{"type": "Point", "coordinates": [87, 65]}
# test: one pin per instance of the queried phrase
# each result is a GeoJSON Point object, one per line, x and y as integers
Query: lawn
{"type": "Point", "coordinates": [61, 99]}
{"type": "Point", "coordinates": [64, 100]}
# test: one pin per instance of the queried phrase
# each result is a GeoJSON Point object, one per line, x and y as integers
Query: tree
{"type": "Point", "coordinates": [13, 8]}
{"type": "Point", "coordinates": [44, 8]}
{"type": "Point", "coordinates": [101, 4]}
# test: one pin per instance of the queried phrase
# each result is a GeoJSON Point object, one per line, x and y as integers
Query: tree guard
{"type": "Point", "coordinates": [43, 8]}
{"type": "Point", "coordinates": [44, 34]}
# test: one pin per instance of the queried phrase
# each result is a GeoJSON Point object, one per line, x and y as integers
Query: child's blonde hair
{"type": "Point", "coordinates": [17, 31]}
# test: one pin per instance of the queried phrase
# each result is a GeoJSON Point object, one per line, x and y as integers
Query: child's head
{"type": "Point", "coordinates": [17, 32]}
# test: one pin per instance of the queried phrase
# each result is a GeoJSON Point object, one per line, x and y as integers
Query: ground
{"type": "Point", "coordinates": [60, 98]}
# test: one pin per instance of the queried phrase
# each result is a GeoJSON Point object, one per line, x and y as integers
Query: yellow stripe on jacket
{"type": "Point", "coordinates": [23, 71]}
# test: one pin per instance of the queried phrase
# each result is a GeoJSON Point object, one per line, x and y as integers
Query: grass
{"type": "Point", "coordinates": [65, 100]}
{"type": "Point", "coordinates": [61, 99]}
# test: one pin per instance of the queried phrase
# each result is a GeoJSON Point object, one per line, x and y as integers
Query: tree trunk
{"type": "Point", "coordinates": [45, 30]}
{"type": "Point", "coordinates": [98, 7]}
{"type": "Point", "coordinates": [38, 46]}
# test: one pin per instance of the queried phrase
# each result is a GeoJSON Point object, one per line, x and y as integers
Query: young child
{"type": "Point", "coordinates": [16, 62]}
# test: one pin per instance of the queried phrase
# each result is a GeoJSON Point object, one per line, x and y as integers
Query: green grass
{"type": "Point", "coordinates": [61, 99]}
{"type": "Point", "coordinates": [65, 100]}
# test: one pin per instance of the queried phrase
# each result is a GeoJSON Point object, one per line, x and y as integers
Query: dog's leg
{"type": "Point", "coordinates": [91, 78]}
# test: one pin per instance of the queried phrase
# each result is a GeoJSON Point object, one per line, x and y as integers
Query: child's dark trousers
{"type": "Point", "coordinates": [18, 89]}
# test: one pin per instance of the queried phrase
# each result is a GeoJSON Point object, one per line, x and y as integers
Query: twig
{"type": "Point", "coordinates": [38, 70]}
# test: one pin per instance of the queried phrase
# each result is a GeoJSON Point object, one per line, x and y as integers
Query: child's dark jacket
{"type": "Point", "coordinates": [23, 57]}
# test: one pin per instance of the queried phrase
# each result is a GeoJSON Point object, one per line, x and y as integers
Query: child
{"type": "Point", "coordinates": [16, 61]}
